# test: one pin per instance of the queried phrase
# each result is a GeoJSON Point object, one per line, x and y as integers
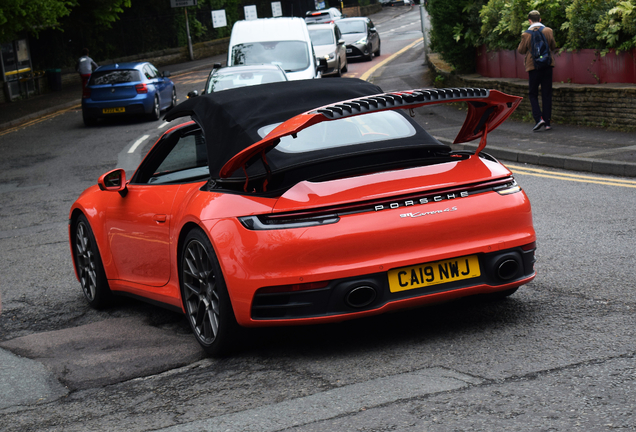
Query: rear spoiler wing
{"type": "Point", "coordinates": [487, 109]}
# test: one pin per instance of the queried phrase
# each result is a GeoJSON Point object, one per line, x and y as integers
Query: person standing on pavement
{"type": "Point", "coordinates": [85, 66]}
{"type": "Point", "coordinates": [538, 76]}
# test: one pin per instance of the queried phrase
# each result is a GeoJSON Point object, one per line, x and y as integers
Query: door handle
{"type": "Point", "coordinates": [159, 218]}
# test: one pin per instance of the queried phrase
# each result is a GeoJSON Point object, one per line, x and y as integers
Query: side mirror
{"type": "Point", "coordinates": [113, 181]}
{"type": "Point", "coordinates": [193, 93]}
{"type": "Point", "coordinates": [341, 42]}
{"type": "Point", "coordinates": [217, 66]}
{"type": "Point", "coordinates": [372, 29]}
{"type": "Point", "coordinates": [165, 74]}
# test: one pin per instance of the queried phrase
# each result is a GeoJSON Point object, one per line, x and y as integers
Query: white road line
{"type": "Point", "coordinates": [163, 125]}
{"type": "Point", "coordinates": [137, 143]}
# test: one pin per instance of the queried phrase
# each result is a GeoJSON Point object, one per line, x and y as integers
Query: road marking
{"type": "Point", "coordinates": [136, 144]}
{"type": "Point", "coordinates": [38, 120]}
{"type": "Point", "coordinates": [163, 125]}
{"type": "Point", "coordinates": [368, 73]}
{"type": "Point", "coordinates": [572, 177]}
{"type": "Point", "coordinates": [336, 402]}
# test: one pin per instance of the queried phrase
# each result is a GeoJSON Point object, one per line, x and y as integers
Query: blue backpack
{"type": "Point", "coordinates": [540, 49]}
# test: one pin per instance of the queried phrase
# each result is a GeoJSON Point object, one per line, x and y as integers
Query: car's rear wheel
{"type": "Point", "coordinates": [88, 120]}
{"type": "Point", "coordinates": [173, 102]}
{"type": "Point", "coordinates": [89, 265]}
{"type": "Point", "coordinates": [205, 298]}
{"type": "Point", "coordinates": [156, 110]}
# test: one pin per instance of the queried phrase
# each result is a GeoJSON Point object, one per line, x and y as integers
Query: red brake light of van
{"type": "Point", "coordinates": [141, 88]}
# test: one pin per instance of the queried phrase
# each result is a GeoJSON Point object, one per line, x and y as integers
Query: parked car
{"type": "Point", "coordinates": [306, 202]}
{"type": "Point", "coordinates": [361, 38]}
{"type": "Point", "coordinates": [323, 16]}
{"type": "Point", "coordinates": [225, 78]}
{"type": "Point", "coordinates": [281, 41]}
{"type": "Point", "coordinates": [123, 89]}
{"type": "Point", "coordinates": [329, 44]}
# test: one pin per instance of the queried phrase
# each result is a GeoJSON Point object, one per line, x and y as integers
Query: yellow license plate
{"type": "Point", "coordinates": [434, 273]}
{"type": "Point", "coordinates": [113, 110]}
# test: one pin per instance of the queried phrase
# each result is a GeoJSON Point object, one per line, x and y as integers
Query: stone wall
{"type": "Point", "coordinates": [605, 105]}
{"type": "Point", "coordinates": [356, 11]}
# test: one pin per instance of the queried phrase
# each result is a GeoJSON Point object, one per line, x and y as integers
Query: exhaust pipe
{"type": "Point", "coordinates": [508, 269]}
{"type": "Point", "coordinates": [360, 296]}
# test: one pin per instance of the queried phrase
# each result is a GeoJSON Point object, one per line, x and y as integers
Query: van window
{"type": "Point", "coordinates": [291, 56]}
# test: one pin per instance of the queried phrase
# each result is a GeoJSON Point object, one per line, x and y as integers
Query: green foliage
{"type": "Point", "coordinates": [582, 18]}
{"type": "Point", "coordinates": [32, 16]}
{"type": "Point", "coordinates": [455, 31]}
{"type": "Point", "coordinates": [617, 27]}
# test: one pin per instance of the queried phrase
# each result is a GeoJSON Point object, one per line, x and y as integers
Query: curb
{"type": "Point", "coordinates": [625, 169]}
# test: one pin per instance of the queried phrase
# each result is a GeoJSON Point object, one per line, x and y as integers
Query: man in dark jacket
{"type": "Point", "coordinates": [538, 77]}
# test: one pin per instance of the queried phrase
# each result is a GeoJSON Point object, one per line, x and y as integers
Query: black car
{"type": "Point", "coordinates": [361, 38]}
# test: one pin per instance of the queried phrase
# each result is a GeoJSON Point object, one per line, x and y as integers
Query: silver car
{"type": "Point", "coordinates": [224, 78]}
{"type": "Point", "coordinates": [329, 44]}
{"type": "Point", "coordinates": [361, 38]}
{"type": "Point", "coordinates": [323, 16]}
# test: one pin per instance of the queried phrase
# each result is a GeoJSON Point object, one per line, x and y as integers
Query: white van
{"type": "Point", "coordinates": [281, 41]}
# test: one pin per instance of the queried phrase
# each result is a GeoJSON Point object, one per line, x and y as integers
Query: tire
{"type": "Point", "coordinates": [345, 69]}
{"type": "Point", "coordinates": [173, 102]}
{"type": "Point", "coordinates": [339, 71]}
{"type": "Point", "coordinates": [204, 295]}
{"type": "Point", "coordinates": [89, 265]}
{"type": "Point", "coordinates": [377, 53]}
{"type": "Point", "coordinates": [88, 120]}
{"type": "Point", "coordinates": [370, 56]}
{"type": "Point", "coordinates": [156, 110]}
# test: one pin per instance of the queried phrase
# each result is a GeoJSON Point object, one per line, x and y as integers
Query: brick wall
{"type": "Point", "coordinates": [606, 105]}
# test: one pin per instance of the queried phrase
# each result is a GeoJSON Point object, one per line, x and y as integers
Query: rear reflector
{"type": "Point", "coordinates": [529, 246]}
{"type": "Point", "coordinates": [86, 93]}
{"type": "Point", "coordinates": [293, 287]}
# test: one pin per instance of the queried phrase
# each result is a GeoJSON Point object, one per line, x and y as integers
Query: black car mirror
{"type": "Point", "coordinates": [341, 42]}
{"type": "Point", "coordinates": [193, 93]}
{"type": "Point", "coordinates": [322, 65]}
{"type": "Point", "coordinates": [217, 66]}
{"type": "Point", "coordinates": [165, 74]}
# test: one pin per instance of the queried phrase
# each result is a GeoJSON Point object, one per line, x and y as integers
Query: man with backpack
{"type": "Point", "coordinates": [537, 43]}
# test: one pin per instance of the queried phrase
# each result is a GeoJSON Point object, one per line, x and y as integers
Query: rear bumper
{"type": "Point", "coordinates": [371, 293]}
{"type": "Point", "coordinates": [132, 107]}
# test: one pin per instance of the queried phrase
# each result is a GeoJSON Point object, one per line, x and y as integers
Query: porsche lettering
{"type": "Point", "coordinates": [423, 200]}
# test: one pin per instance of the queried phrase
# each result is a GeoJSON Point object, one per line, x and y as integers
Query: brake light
{"type": "Point", "coordinates": [86, 93]}
{"type": "Point", "coordinates": [141, 88]}
{"type": "Point", "coordinates": [293, 287]}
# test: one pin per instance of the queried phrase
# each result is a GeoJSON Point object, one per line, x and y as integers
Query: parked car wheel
{"type": "Point", "coordinates": [377, 52]}
{"type": "Point", "coordinates": [89, 265]}
{"type": "Point", "coordinates": [173, 102]}
{"type": "Point", "coordinates": [205, 298]}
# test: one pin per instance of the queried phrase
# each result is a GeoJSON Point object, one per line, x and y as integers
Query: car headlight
{"type": "Point", "coordinates": [362, 41]}
{"type": "Point", "coordinates": [331, 56]}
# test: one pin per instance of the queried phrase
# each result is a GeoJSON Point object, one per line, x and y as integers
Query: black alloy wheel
{"type": "Point", "coordinates": [205, 298]}
{"type": "Point", "coordinates": [89, 265]}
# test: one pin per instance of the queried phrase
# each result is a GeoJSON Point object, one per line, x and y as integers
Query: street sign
{"type": "Point", "coordinates": [182, 3]}
{"type": "Point", "coordinates": [250, 12]}
{"type": "Point", "coordinates": [219, 19]}
{"type": "Point", "coordinates": [277, 10]}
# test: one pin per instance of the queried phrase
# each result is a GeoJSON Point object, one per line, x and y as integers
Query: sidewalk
{"type": "Point", "coordinates": [589, 149]}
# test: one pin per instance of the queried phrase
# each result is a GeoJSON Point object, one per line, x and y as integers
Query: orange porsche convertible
{"type": "Point", "coordinates": [306, 202]}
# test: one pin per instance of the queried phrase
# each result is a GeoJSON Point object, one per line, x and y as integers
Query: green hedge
{"type": "Point", "coordinates": [459, 26]}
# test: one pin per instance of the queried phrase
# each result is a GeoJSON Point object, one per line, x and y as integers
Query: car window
{"type": "Point", "coordinates": [148, 72]}
{"type": "Point", "coordinates": [224, 79]}
{"type": "Point", "coordinates": [186, 161]}
{"type": "Point", "coordinates": [154, 71]}
{"type": "Point", "coordinates": [291, 56]}
{"type": "Point", "coordinates": [356, 26]}
{"type": "Point", "coordinates": [378, 126]}
{"type": "Point", "coordinates": [322, 37]}
{"type": "Point", "coordinates": [114, 77]}
{"type": "Point", "coordinates": [338, 33]}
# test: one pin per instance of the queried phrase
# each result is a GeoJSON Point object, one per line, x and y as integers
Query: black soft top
{"type": "Point", "coordinates": [230, 119]}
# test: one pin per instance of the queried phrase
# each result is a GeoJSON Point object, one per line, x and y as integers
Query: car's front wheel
{"type": "Point", "coordinates": [205, 297]}
{"type": "Point", "coordinates": [88, 262]}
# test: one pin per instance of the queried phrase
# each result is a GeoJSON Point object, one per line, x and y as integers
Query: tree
{"type": "Point", "coordinates": [17, 16]}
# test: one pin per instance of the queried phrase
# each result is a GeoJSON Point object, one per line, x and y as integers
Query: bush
{"type": "Point", "coordinates": [582, 18]}
{"type": "Point", "coordinates": [617, 27]}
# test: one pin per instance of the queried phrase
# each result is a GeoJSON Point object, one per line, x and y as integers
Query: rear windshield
{"type": "Point", "coordinates": [115, 77]}
{"type": "Point", "coordinates": [352, 26]}
{"type": "Point", "coordinates": [373, 127]}
{"type": "Point", "coordinates": [322, 37]}
{"type": "Point", "coordinates": [291, 56]}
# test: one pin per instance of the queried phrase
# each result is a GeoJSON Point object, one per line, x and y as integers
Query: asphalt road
{"type": "Point", "coordinates": [557, 355]}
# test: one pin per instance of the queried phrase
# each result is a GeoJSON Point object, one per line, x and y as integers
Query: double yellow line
{"type": "Point", "coordinates": [572, 177]}
{"type": "Point", "coordinates": [39, 119]}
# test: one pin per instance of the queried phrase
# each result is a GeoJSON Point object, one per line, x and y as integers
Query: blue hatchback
{"type": "Point", "coordinates": [127, 89]}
